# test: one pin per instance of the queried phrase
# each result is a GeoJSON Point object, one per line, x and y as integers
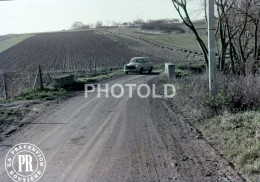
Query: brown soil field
{"type": "Point", "coordinates": [64, 51]}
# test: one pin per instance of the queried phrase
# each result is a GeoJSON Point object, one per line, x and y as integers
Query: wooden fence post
{"type": "Point", "coordinates": [95, 67]}
{"type": "Point", "coordinates": [39, 73]}
{"type": "Point", "coordinates": [5, 86]}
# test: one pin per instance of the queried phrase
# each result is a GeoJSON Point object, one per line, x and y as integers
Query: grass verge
{"type": "Point", "coordinates": [47, 94]}
{"type": "Point", "coordinates": [5, 113]}
{"type": "Point", "coordinates": [236, 137]}
{"type": "Point", "coordinates": [98, 78]}
{"type": "Point", "coordinates": [185, 68]}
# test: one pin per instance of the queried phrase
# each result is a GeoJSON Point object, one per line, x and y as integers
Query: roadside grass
{"type": "Point", "coordinates": [47, 94]}
{"type": "Point", "coordinates": [100, 77]}
{"type": "Point", "coordinates": [192, 66]}
{"type": "Point", "coordinates": [159, 66]}
{"type": "Point", "coordinates": [230, 121]}
{"type": "Point", "coordinates": [6, 44]}
{"type": "Point", "coordinates": [7, 114]}
{"type": "Point", "coordinates": [235, 137]}
{"type": "Point", "coordinates": [185, 68]}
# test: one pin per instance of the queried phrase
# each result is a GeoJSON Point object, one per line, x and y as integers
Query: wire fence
{"type": "Point", "coordinates": [14, 83]}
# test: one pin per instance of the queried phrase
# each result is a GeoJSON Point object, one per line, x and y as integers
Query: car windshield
{"type": "Point", "coordinates": [141, 60]}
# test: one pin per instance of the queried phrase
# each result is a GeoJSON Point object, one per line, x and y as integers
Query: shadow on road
{"type": "Point", "coordinates": [151, 74]}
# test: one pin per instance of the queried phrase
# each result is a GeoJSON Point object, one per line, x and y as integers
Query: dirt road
{"type": "Point", "coordinates": [126, 139]}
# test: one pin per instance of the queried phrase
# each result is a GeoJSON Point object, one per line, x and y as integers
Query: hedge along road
{"type": "Point", "coordinates": [125, 139]}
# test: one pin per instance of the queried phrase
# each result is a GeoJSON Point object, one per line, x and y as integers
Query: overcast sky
{"type": "Point", "coordinates": [26, 16]}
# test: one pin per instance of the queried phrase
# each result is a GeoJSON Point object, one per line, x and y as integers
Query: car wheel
{"type": "Point", "coordinates": [141, 70]}
{"type": "Point", "coordinates": [151, 69]}
{"type": "Point", "coordinates": [126, 72]}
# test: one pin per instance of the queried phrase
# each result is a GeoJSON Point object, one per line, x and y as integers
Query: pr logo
{"type": "Point", "coordinates": [25, 162]}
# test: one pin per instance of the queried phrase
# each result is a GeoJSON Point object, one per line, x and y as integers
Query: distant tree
{"type": "Point", "coordinates": [164, 25]}
{"type": "Point", "coordinates": [126, 23]}
{"type": "Point", "coordinates": [77, 25]}
{"type": "Point", "coordinates": [99, 24]}
{"type": "Point", "coordinates": [138, 23]}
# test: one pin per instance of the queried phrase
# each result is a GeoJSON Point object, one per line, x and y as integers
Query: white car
{"type": "Point", "coordinates": [139, 64]}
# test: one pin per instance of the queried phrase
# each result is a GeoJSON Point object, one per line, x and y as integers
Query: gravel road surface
{"type": "Point", "coordinates": [124, 139]}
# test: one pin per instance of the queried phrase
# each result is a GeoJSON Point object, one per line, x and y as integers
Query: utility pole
{"type": "Point", "coordinates": [211, 46]}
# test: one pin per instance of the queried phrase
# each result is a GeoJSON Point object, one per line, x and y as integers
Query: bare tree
{"type": "Point", "coordinates": [238, 28]}
{"type": "Point", "coordinates": [138, 23]}
{"type": "Point", "coordinates": [181, 7]}
{"type": "Point", "coordinates": [237, 32]}
{"type": "Point", "coordinates": [99, 24]}
{"type": "Point", "coordinates": [77, 25]}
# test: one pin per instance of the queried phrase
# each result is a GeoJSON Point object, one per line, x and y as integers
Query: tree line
{"type": "Point", "coordinates": [237, 34]}
{"type": "Point", "coordinates": [163, 25]}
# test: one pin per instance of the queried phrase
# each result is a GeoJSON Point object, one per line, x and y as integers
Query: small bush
{"type": "Point", "coordinates": [237, 94]}
{"type": "Point", "coordinates": [194, 67]}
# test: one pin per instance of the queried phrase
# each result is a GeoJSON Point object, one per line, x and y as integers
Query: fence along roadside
{"type": "Point", "coordinates": [13, 83]}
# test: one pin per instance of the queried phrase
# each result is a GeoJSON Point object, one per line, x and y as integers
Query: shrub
{"type": "Point", "coordinates": [194, 67]}
{"type": "Point", "coordinates": [237, 94]}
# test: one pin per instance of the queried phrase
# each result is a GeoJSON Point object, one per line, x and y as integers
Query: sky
{"type": "Point", "coordinates": [27, 16]}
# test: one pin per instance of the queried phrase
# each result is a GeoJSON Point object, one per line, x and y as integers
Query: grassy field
{"type": "Point", "coordinates": [6, 44]}
{"type": "Point", "coordinates": [186, 41]}
{"type": "Point", "coordinates": [182, 40]}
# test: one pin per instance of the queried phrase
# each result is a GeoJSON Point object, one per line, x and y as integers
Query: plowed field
{"type": "Point", "coordinates": [64, 51]}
